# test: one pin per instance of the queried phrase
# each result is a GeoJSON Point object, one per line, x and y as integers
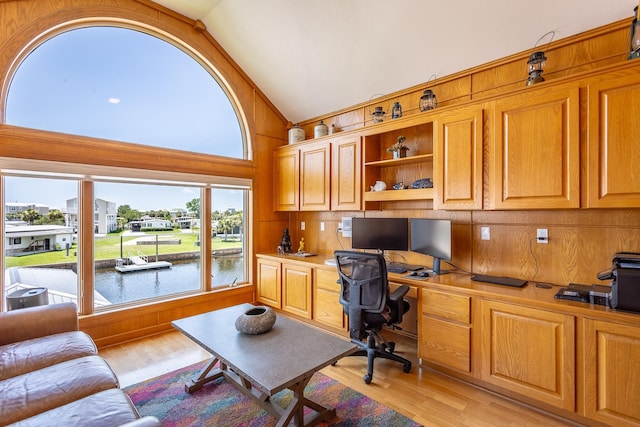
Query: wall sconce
{"type": "Point", "coordinates": [634, 50]}
{"type": "Point", "coordinates": [377, 115]}
{"type": "Point", "coordinates": [396, 110]}
{"type": "Point", "coordinates": [428, 99]}
{"type": "Point", "coordinates": [536, 62]}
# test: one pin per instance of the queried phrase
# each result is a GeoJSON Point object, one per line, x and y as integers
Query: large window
{"type": "Point", "coordinates": [124, 85]}
{"type": "Point", "coordinates": [143, 230]}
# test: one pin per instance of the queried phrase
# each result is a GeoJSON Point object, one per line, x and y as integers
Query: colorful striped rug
{"type": "Point", "coordinates": [220, 404]}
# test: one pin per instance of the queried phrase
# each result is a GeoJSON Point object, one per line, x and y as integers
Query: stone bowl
{"type": "Point", "coordinates": [256, 320]}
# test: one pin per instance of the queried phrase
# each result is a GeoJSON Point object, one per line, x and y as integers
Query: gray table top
{"type": "Point", "coordinates": [272, 361]}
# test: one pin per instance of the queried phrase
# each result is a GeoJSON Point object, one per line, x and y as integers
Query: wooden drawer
{"type": "Point", "coordinates": [446, 343]}
{"type": "Point", "coordinates": [326, 279]}
{"type": "Point", "coordinates": [446, 306]}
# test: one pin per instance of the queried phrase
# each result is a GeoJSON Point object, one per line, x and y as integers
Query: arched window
{"type": "Point", "coordinates": [124, 85]}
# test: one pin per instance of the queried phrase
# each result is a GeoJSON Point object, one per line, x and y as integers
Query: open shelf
{"type": "Point", "coordinates": [407, 194]}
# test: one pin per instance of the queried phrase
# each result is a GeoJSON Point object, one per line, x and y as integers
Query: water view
{"type": "Point", "coordinates": [183, 276]}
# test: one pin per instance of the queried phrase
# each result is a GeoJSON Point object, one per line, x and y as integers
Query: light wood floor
{"type": "Point", "coordinates": [424, 395]}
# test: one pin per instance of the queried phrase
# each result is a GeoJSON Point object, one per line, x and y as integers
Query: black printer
{"type": "Point", "coordinates": [625, 287]}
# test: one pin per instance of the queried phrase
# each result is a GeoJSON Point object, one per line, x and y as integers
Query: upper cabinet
{"type": "Point", "coordinates": [287, 179]}
{"type": "Point", "coordinates": [613, 155]}
{"type": "Point", "coordinates": [457, 165]}
{"type": "Point", "coordinates": [346, 174]}
{"type": "Point", "coordinates": [303, 177]}
{"type": "Point", "coordinates": [315, 178]}
{"type": "Point", "coordinates": [535, 150]}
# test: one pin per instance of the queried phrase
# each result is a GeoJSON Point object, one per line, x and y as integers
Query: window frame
{"type": "Point", "coordinates": [53, 153]}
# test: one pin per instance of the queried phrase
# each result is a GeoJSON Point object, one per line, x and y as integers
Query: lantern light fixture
{"type": "Point", "coordinates": [396, 110]}
{"type": "Point", "coordinates": [428, 99]}
{"type": "Point", "coordinates": [537, 61]}
{"type": "Point", "coordinates": [634, 48]}
{"type": "Point", "coordinates": [378, 113]}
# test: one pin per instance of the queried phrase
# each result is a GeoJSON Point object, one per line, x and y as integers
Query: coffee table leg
{"type": "Point", "coordinates": [204, 377]}
{"type": "Point", "coordinates": [295, 409]}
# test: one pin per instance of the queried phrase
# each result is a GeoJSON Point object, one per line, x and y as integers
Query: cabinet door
{"type": "Point", "coordinates": [296, 290]}
{"type": "Point", "coordinates": [536, 150]}
{"type": "Point", "coordinates": [611, 373]}
{"type": "Point", "coordinates": [315, 179]}
{"type": "Point", "coordinates": [268, 289]}
{"type": "Point", "coordinates": [613, 154]}
{"type": "Point", "coordinates": [530, 352]}
{"type": "Point", "coordinates": [287, 179]}
{"type": "Point", "coordinates": [457, 165]}
{"type": "Point", "coordinates": [327, 309]}
{"type": "Point", "coordinates": [346, 175]}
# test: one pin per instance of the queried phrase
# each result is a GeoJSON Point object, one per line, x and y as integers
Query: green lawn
{"type": "Point", "coordinates": [108, 247]}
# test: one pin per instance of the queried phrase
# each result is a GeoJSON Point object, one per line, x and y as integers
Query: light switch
{"type": "Point", "coordinates": [485, 233]}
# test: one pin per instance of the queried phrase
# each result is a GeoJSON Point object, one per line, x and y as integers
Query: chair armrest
{"type": "Point", "coordinates": [147, 421]}
{"type": "Point", "coordinates": [35, 322]}
{"type": "Point", "coordinates": [399, 293]}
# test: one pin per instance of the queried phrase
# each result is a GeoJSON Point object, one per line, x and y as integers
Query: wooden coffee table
{"type": "Point", "coordinates": [286, 357]}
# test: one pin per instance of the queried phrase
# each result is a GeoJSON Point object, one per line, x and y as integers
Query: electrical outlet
{"type": "Point", "coordinates": [322, 226]}
{"type": "Point", "coordinates": [346, 226]}
{"type": "Point", "coordinates": [485, 233]}
{"type": "Point", "coordinates": [302, 225]}
{"type": "Point", "coordinates": [542, 235]}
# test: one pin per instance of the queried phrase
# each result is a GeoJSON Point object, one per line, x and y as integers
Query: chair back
{"type": "Point", "coordinates": [363, 278]}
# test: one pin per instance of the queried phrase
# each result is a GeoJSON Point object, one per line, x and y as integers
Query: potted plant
{"type": "Point", "coordinates": [399, 149]}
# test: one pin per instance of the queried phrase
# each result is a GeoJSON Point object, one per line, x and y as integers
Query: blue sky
{"type": "Point", "coordinates": [55, 192]}
{"type": "Point", "coordinates": [123, 85]}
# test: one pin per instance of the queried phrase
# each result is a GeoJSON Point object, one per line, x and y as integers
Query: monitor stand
{"type": "Point", "coordinates": [436, 267]}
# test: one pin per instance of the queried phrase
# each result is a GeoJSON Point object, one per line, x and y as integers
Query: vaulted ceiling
{"type": "Point", "coordinates": [312, 57]}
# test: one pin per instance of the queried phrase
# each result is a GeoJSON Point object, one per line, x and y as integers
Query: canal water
{"type": "Point", "coordinates": [182, 276]}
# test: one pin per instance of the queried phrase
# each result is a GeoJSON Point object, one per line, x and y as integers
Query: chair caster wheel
{"type": "Point", "coordinates": [391, 347]}
{"type": "Point", "coordinates": [406, 368]}
{"type": "Point", "coordinates": [367, 379]}
{"type": "Point", "coordinates": [334, 363]}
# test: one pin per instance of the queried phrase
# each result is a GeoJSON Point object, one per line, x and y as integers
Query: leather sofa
{"type": "Point", "coordinates": [51, 374]}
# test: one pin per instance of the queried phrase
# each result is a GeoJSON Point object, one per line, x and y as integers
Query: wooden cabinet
{"type": "Point", "coordinates": [346, 174]}
{"type": "Point", "coordinates": [296, 290]}
{"type": "Point", "coordinates": [445, 329]}
{"type": "Point", "coordinates": [611, 372]}
{"type": "Point", "coordinates": [379, 164]}
{"type": "Point", "coordinates": [287, 179]}
{"type": "Point", "coordinates": [302, 177]}
{"type": "Point", "coordinates": [457, 167]}
{"type": "Point", "coordinates": [535, 150]}
{"type": "Point", "coordinates": [530, 352]}
{"type": "Point", "coordinates": [327, 309]}
{"type": "Point", "coordinates": [315, 178]}
{"type": "Point", "coordinates": [268, 286]}
{"type": "Point", "coordinates": [613, 146]}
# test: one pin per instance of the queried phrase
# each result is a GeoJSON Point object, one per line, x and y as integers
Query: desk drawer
{"type": "Point", "coordinates": [446, 306]}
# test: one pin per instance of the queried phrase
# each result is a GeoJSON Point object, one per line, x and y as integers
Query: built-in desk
{"type": "Point", "coordinates": [574, 359]}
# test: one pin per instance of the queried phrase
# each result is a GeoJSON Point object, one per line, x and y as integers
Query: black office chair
{"type": "Point", "coordinates": [365, 298]}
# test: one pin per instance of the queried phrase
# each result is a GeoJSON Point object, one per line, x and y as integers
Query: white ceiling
{"type": "Point", "coordinates": [313, 57]}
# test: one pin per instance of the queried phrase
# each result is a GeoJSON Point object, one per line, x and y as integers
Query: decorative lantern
{"type": "Point", "coordinates": [428, 100]}
{"type": "Point", "coordinates": [536, 67]}
{"type": "Point", "coordinates": [396, 111]}
{"type": "Point", "coordinates": [634, 51]}
{"type": "Point", "coordinates": [537, 61]}
{"type": "Point", "coordinates": [378, 115]}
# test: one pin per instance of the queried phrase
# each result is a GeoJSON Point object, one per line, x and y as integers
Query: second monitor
{"type": "Point", "coordinates": [432, 237]}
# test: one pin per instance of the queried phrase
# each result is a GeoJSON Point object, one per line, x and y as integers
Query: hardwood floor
{"type": "Point", "coordinates": [429, 398]}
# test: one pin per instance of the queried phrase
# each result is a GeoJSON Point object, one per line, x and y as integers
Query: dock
{"type": "Point", "coordinates": [139, 263]}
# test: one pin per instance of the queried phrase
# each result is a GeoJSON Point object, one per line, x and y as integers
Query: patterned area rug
{"type": "Point", "coordinates": [220, 404]}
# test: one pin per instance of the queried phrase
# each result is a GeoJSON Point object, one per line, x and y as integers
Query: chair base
{"type": "Point", "coordinates": [376, 346]}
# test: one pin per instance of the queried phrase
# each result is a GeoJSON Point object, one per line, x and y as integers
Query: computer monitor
{"type": "Point", "coordinates": [380, 233]}
{"type": "Point", "coordinates": [432, 237]}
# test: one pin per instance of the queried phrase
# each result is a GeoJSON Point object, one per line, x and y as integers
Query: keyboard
{"type": "Point", "coordinates": [499, 280]}
{"type": "Point", "coordinates": [396, 268]}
